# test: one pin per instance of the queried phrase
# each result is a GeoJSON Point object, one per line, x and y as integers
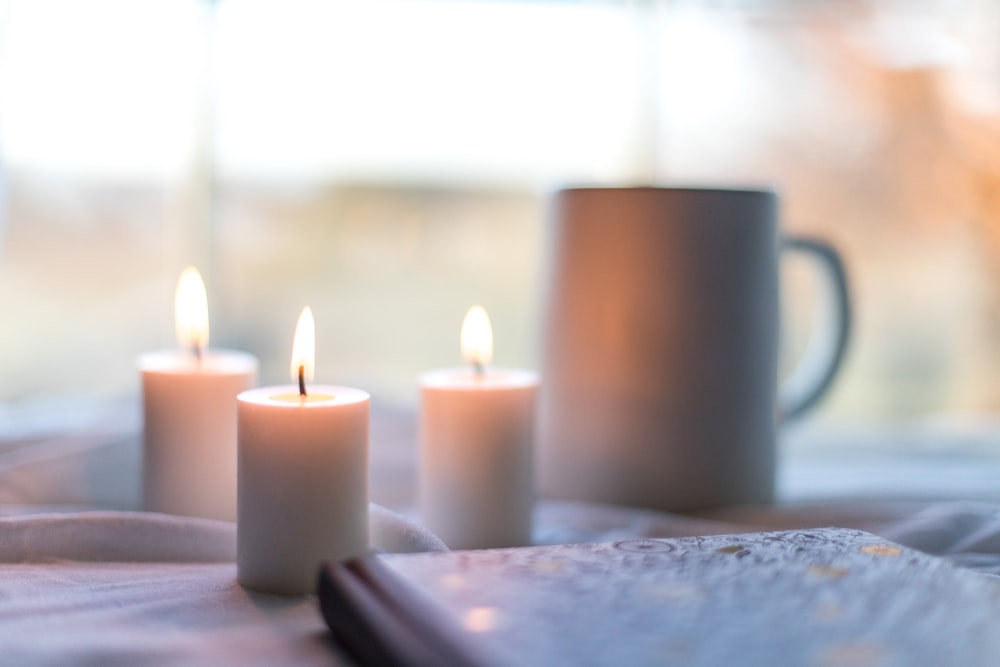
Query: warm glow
{"type": "Point", "coordinates": [304, 346]}
{"type": "Point", "coordinates": [191, 311]}
{"type": "Point", "coordinates": [477, 338]}
{"type": "Point", "coordinates": [480, 619]}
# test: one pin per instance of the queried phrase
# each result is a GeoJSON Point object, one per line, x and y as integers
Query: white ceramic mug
{"type": "Point", "coordinates": [660, 348]}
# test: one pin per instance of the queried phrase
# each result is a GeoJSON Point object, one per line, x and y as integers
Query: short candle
{"type": "Point", "coordinates": [189, 415]}
{"type": "Point", "coordinates": [476, 447]}
{"type": "Point", "coordinates": [303, 477]}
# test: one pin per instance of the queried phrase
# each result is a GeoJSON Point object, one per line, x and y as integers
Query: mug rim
{"type": "Point", "coordinates": [697, 189]}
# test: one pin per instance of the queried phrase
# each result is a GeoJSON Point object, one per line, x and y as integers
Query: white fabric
{"type": "Point", "coordinates": [115, 613]}
{"type": "Point", "coordinates": [116, 537]}
{"type": "Point", "coordinates": [129, 588]}
{"type": "Point", "coordinates": [966, 533]}
{"type": "Point", "coordinates": [149, 537]}
{"type": "Point", "coordinates": [121, 588]}
{"type": "Point", "coordinates": [392, 533]}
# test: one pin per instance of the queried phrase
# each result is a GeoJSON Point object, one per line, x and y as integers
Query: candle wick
{"type": "Point", "coordinates": [302, 381]}
{"type": "Point", "coordinates": [197, 352]}
{"type": "Point", "coordinates": [478, 368]}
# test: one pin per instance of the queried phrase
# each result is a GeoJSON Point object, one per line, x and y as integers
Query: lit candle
{"type": "Point", "coordinates": [476, 447]}
{"type": "Point", "coordinates": [303, 476]}
{"type": "Point", "coordinates": [189, 410]}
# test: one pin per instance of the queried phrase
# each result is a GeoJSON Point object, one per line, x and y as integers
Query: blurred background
{"type": "Point", "coordinates": [390, 164]}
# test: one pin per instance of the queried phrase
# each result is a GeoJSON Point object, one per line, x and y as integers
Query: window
{"type": "Point", "coordinates": [389, 163]}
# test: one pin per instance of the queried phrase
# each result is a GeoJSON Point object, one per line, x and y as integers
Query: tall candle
{"type": "Point", "coordinates": [303, 477]}
{"type": "Point", "coordinates": [476, 447]}
{"type": "Point", "coordinates": [189, 415]}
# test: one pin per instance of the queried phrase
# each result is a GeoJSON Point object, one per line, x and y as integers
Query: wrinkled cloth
{"type": "Point", "coordinates": [125, 588]}
{"type": "Point", "coordinates": [150, 537]}
{"type": "Point", "coordinates": [85, 587]}
{"type": "Point", "coordinates": [966, 533]}
{"type": "Point", "coordinates": [128, 588]}
{"type": "Point", "coordinates": [392, 533]}
{"type": "Point", "coordinates": [169, 613]}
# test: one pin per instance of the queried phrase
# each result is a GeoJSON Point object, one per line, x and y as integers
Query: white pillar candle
{"type": "Point", "coordinates": [476, 447]}
{"type": "Point", "coordinates": [303, 477]}
{"type": "Point", "coordinates": [189, 415]}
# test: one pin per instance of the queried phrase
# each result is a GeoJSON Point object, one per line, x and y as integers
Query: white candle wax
{"type": "Point", "coordinates": [189, 430]}
{"type": "Point", "coordinates": [476, 448]}
{"type": "Point", "coordinates": [303, 484]}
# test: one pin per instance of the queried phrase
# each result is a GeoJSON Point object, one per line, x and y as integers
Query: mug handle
{"type": "Point", "coordinates": [824, 353]}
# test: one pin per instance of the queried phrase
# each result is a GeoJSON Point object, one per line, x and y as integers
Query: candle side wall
{"type": "Point", "coordinates": [303, 489]}
{"type": "Point", "coordinates": [189, 439]}
{"type": "Point", "coordinates": [476, 478]}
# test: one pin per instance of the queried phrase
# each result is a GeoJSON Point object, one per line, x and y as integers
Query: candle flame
{"type": "Point", "coordinates": [191, 311]}
{"type": "Point", "coordinates": [477, 338]}
{"type": "Point", "coordinates": [304, 346]}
